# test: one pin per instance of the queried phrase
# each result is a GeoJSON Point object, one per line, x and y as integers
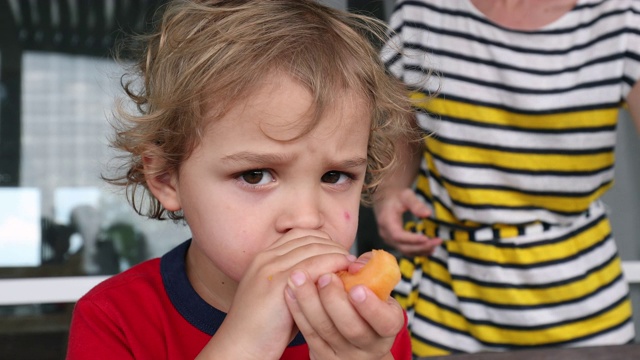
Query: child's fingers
{"type": "Point", "coordinates": [349, 323]}
{"type": "Point", "coordinates": [360, 262]}
{"type": "Point", "coordinates": [316, 258]}
{"type": "Point", "coordinates": [331, 322]}
{"type": "Point", "coordinates": [385, 318]}
{"type": "Point", "coordinates": [308, 312]}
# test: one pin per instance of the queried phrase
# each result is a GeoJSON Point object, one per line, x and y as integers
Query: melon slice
{"type": "Point", "coordinates": [380, 274]}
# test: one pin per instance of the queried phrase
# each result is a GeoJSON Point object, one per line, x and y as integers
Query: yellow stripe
{"type": "Point", "coordinates": [439, 212]}
{"type": "Point", "coordinates": [437, 271]}
{"type": "Point", "coordinates": [431, 166]}
{"type": "Point", "coordinates": [461, 235]}
{"type": "Point", "coordinates": [520, 161]}
{"type": "Point", "coordinates": [493, 116]}
{"type": "Point", "coordinates": [533, 255]}
{"type": "Point", "coordinates": [421, 349]}
{"type": "Point", "coordinates": [530, 297]}
{"type": "Point", "coordinates": [508, 232]}
{"type": "Point", "coordinates": [511, 198]}
{"type": "Point", "coordinates": [406, 269]}
{"type": "Point", "coordinates": [422, 183]}
{"type": "Point", "coordinates": [403, 300]}
{"type": "Point", "coordinates": [439, 315]}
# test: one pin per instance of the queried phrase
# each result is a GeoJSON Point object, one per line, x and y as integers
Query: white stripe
{"type": "Point", "coordinates": [507, 138]}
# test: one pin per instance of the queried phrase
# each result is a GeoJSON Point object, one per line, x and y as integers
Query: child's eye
{"type": "Point", "coordinates": [256, 177]}
{"type": "Point", "coordinates": [336, 177]}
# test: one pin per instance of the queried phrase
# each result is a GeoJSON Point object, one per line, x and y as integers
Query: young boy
{"type": "Point", "coordinates": [261, 125]}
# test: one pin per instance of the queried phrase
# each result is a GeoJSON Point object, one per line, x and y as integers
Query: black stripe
{"type": "Point", "coordinates": [440, 262]}
{"type": "Point", "coordinates": [508, 66]}
{"type": "Point", "coordinates": [519, 49]}
{"type": "Point", "coordinates": [522, 90]}
{"type": "Point", "coordinates": [437, 324]}
{"type": "Point", "coordinates": [629, 81]}
{"type": "Point", "coordinates": [389, 63]}
{"type": "Point", "coordinates": [632, 55]}
{"type": "Point", "coordinates": [437, 282]}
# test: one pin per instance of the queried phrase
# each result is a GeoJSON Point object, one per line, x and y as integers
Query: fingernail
{"type": "Point", "coordinates": [351, 258]}
{"type": "Point", "coordinates": [290, 293]}
{"type": "Point", "coordinates": [298, 278]}
{"type": "Point", "coordinates": [358, 294]}
{"type": "Point", "coordinates": [324, 280]}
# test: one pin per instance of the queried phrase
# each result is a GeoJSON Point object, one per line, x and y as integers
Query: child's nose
{"type": "Point", "coordinates": [302, 213]}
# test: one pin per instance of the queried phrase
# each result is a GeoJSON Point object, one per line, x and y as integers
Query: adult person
{"type": "Point", "coordinates": [510, 246]}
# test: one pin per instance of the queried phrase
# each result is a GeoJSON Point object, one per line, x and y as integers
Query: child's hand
{"type": "Point", "coordinates": [258, 318]}
{"type": "Point", "coordinates": [337, 325]}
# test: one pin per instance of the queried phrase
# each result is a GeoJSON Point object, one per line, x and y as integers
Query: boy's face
{"type": "Point", "coordinates": [249, 183]}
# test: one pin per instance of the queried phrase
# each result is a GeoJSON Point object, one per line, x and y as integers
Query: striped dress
{"type": "Point", "coordinates": [522, 128]}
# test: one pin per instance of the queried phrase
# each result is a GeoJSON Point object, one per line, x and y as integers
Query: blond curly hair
{"type": "Point", "coordinates": [206, 54]}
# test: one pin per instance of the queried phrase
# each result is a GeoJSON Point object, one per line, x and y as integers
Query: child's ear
{"type": "Point", "coordinates": [162, 184]}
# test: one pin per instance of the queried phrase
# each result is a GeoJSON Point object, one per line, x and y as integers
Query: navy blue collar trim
{"type": "Point", "coordinates": [186, 300]}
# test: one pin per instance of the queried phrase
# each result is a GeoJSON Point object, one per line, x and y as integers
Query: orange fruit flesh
{"type": "Point", "coordinates": [380, 274]}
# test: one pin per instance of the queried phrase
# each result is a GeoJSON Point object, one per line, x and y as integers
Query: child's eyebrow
{"type": "Point", "coordinates": [254, 158]}
{"type": "Point", "coordinates": [351, 163]}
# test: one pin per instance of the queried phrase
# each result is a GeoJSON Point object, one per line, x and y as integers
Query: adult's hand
{"type": "Point", "coordinates": [389, 210]}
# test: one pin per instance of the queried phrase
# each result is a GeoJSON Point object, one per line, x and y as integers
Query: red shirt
{"type": "Point", "coordinates": [151, 311]}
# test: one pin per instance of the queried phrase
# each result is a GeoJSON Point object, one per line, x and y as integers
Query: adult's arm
{"type": "Point", "coordinates": [394, 197]}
